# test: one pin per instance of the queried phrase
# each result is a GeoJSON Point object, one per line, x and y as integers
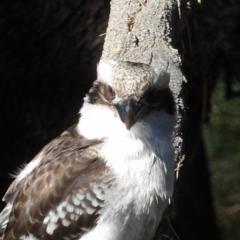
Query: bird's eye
{"type": "Point", "coordinates": [110, 93]}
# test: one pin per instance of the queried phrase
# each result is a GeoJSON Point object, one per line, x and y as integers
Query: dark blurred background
{"type": "Point", "coordinates": [222, 140]}
{"type": "Point", "coordinates": [48, 55]}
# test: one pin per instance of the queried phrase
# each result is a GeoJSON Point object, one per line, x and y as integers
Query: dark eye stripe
{"type": "Point", "coordinates": [159, 100]}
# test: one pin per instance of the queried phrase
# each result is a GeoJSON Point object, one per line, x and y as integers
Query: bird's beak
{"type": "Point", "coordinates": [129, 112]}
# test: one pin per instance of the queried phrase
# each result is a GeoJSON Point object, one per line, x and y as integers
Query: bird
{"type": "Point", "coordinates": [108, 177]}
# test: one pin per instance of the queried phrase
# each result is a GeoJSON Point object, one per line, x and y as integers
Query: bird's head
{"type": "Point", "coordinates": [124, 95]}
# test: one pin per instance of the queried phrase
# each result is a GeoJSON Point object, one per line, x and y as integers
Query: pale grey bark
{"type": "Point", "coordinates": [143, 31]}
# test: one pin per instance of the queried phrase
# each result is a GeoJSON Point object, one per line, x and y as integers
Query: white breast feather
{"type": "Point", "coordinates": [143, 161]}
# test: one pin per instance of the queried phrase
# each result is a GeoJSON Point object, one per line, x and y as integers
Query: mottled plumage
{"type": "Point", "coordinates": [66, 189]}
{"type": "Point", "coordinates": [111, 176]}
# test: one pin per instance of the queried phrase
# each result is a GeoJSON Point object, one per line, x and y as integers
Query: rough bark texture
{"type": "Point", "coordinates": [142, 32]}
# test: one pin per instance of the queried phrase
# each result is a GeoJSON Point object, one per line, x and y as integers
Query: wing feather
{"type": "Point", "coordinates": [59, 197]}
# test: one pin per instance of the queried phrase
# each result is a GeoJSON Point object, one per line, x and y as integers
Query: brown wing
{"type": "Point", "coordinates": [62, 196]}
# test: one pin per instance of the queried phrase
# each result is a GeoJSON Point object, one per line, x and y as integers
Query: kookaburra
{"type": "Point", "coordinates": [111, 176]}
